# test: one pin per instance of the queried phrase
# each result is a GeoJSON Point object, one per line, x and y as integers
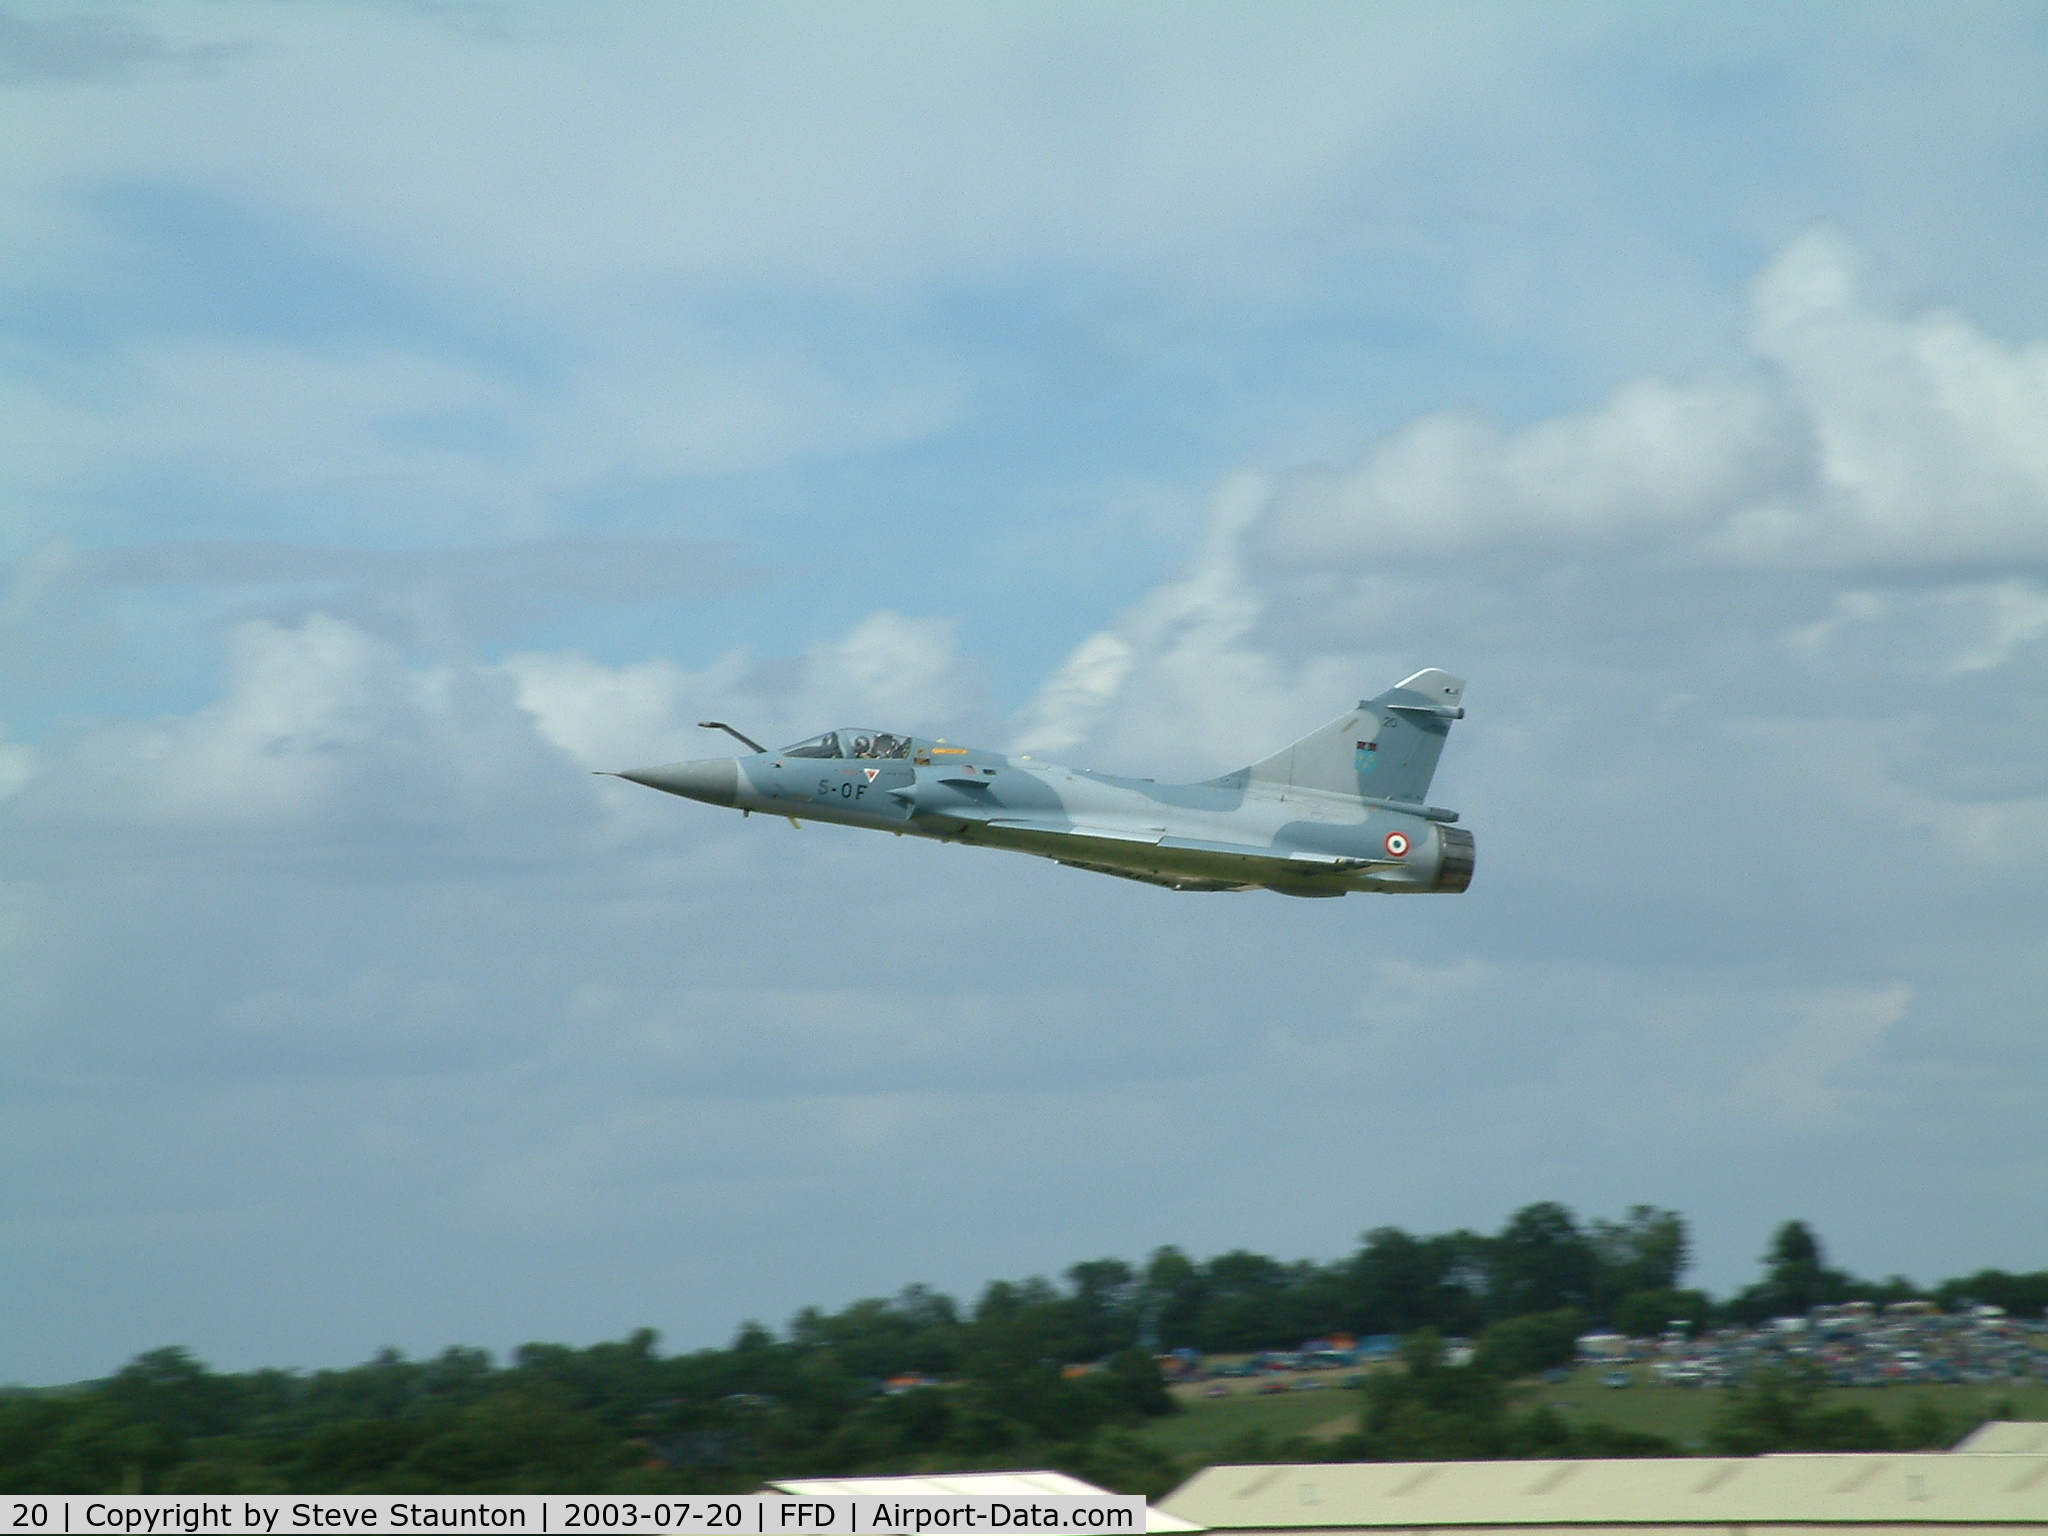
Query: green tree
{"type": "Point", "coordinates": [1171, 1297]}
{"type": "Point", "coordinates": [1118, 1460]}
{"type": "Point", "coordinates": [1103, 1306]}
{"type": "Point", "coordinates": [167, 1388]}
{"type": "Point", "coordinates": [1541, 1262]}
{"type": "Point", "coordinates": [516, 1442]}
{"type": "Point", "coordinates": [1645, 1314]}
{"type": "Point", "coordinates": [354, 1455]}
{"type": "Point", "coordinates": [1786, 1409]}
{"type": "Point", "coordinates": [885, 1433]}
{"type": "Point", "coordinates": [1535, 1341]}
{"type": "Point", "coordinates": [1242, 1302]}
{"type": "Point", "coordinates": [1796, 1278]}
{"type": "Point", "coordinates": [1397, 1283]}
{"type": "Point", "coordinates": [1436, 1412]}
{"type": "Point", "coordinates": [1134, 1387]}
{"type": "Point", "coordinates": [918, 1333]}
{"type": "Point", "coordinates": [1431, 1411]}
{"type": "Point", "coordinates": [2021, 1295]}
{"type": "Point", "coordinates": [1793, 1267]}
{"type": "Point", "coordinates": [86, 1444]}
{"type": "Point", "coordinates": [1647, 1250]}
{"type": "Point", "coordinates": [1924, 1427]}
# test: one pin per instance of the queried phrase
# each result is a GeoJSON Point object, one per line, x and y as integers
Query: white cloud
{"type": "Point", "coordinates": [1947, 631]}
{"type": "Point", "coordinates": [424, 439]}
{"type": "Point", "coordinates": [477, 277]}
{"type": "Point", "coordinates": [323, 738]}
{"type": "Point", "coordinates": [492, 271]}
{"type": "Point", "coordinates": [1658, 460]}
{"type": "Point", "coordinates": [1806, 1077]}
{"type": "Point", "coordinates": [1678, 548]}
{"type": "Point", "coordinates": [887, 671]}
{"type": "Point", "coordinates": [2017, 614]}
{"type": "Point", "coordinates": [830, 150]}
{"type": "Point", "coordinates": [257, 418]}
{"type": "Point", "coordinates": [1066, 706]}
{"type": "Point", "coordinates": [1866, 435]}
{"type": "Point", "coordinates": [17, 766]}
{"type": "Point", "coordinates": [1932, 436]}
{"type": "Point", "coordinates": [325, 731]}
{"type": "Point", "coordinates": [1182, 683]}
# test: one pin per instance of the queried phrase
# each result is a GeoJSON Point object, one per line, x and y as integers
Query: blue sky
{"type": "Point", "coordinates": [408, 408]}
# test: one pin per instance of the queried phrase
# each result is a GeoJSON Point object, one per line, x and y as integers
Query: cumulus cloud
{"type": "Point", "coordinates": [1184, 675]}
{"type": "Point", "coordinates": [887, 671]}
{"type": "Point", "coordinates": [1932, 437]}
{"type": "Point", "coordinates": [1655, 459]}
{"type": "Point", "coordinates": [325, 735]}
{"type": "Point", "coordinates": [1931, 633]}
{"type": "Point", "coordinates": [1782, 546]}
{"type": "Point", "coordinates": [1866, 433]}
{"type": "Point", "coordinates": [2016, 614]}
{"type": "Point", "coordinates": [321, 732]}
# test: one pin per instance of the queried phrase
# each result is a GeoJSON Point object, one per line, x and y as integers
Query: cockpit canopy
{"type": "Point", "coordinates": [852, 743]}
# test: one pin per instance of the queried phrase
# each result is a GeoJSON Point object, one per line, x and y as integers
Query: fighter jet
{"type": "Point", "coordinates": [1343, 809]}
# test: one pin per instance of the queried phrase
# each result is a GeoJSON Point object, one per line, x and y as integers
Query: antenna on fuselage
{"type": "Point", "coordinates": [720, 725]}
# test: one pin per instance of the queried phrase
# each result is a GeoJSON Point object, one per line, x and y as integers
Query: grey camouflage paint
{"type": "Point", "coordinates": [1341, 810]}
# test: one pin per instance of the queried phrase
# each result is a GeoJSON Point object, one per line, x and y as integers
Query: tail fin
{"type": "Point", "coordinates": [1386, 749]}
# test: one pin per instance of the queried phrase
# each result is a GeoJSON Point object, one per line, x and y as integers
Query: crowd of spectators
{"type": "Point", "coordinates": [1854, 1344]}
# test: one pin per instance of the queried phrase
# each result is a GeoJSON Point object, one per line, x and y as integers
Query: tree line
{"type": "Point", "coordinates": [919, 1382]}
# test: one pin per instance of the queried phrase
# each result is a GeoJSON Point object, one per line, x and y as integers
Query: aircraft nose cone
{"type": "Point", "coordinates": [714, 780]}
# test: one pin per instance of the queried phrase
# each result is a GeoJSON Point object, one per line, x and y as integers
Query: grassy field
{"type": "Point", "coordinates": [1208, 1426]}
{"type": "Point", "coordinates": [1683, 1413]}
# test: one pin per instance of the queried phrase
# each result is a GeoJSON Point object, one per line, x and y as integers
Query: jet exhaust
{"type": "Point", "coordinates": [1454, 864]}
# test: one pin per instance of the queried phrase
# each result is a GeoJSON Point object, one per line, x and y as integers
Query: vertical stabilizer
{"type": "Point", "coordinates": [1386, 749]}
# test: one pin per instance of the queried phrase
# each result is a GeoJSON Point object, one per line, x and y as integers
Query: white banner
{"type": "Point", "coordinates": [739, 1514]}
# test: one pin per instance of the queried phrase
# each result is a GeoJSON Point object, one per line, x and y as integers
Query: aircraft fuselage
{"type": "Point", "coordinates": [1304, 822]}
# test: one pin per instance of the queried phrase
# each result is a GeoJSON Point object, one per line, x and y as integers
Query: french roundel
{"type": "Point", "coordinates": [1397, 844]}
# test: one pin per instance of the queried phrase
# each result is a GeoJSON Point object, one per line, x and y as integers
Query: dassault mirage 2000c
{"type": "Point", "coordinates": [1341, 810]}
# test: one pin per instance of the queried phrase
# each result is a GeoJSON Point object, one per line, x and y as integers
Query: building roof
{"type": "Point", "coordinates": [1942, 1488]}
{"type": "Point", "coordinates": [994, 1485]}
{"type": "Point", "coordinates": [2007, 1437]}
